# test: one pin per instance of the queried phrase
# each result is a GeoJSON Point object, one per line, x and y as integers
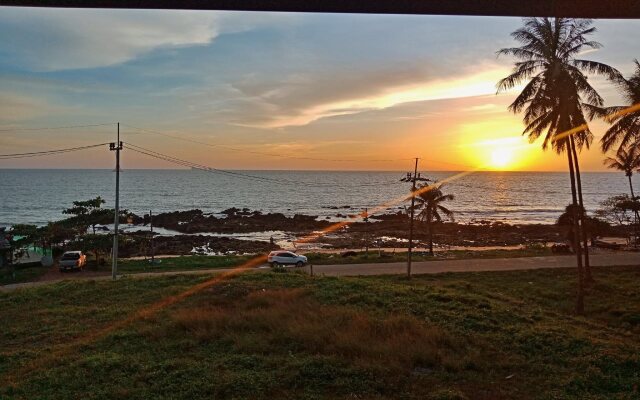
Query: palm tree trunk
{"type": "Point", "coordinates": [576, 241]}
{"type": "Point", "coordinates": [583, 219]}
{"type": "Point", "coordinates": [430, 233]}
{"type": "Point", "coordinates": [636, 217]}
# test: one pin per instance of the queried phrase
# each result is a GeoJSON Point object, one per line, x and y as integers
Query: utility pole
{"type": "Point", "coordinates": [117, 146]}
{"type": "Point", "coordinates": [409, 178]}
{"type": "Point", "coordinates": [366, 231]}
{"type": "Point", "coordinates": [413, 202]}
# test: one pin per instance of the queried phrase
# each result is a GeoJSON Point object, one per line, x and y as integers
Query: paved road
{"type": "Point", "coordinates": [476, 265]}
{"type": "Point", "coordinates": [423, 267]}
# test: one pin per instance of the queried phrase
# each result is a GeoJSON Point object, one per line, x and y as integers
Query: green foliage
{"type": "Point", "coordinates": [98, 244]}
{"type": "Point", "coordinates": [618, 209]}
{"type": "Point", "coordinates": [21, 236]}
{"type": "Point", "coordinates": [87, 213]}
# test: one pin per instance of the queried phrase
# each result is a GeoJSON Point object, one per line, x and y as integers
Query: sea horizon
{"type": "Point", "coordinates": [37, 196]}
{"type": "Point", "coordinates": [310, 170]}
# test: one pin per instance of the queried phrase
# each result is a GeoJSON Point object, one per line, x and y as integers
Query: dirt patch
{"type": "Point", "coordinates": [282, 321]}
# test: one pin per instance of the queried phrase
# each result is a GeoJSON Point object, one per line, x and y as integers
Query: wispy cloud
{"type": "Point", "coordinates": [59, 39]}
{"type": "Point", "coordinates": [301, 103]}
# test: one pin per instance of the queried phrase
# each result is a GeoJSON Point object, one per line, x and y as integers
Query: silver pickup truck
{"type": "Point", "coordinates": [72, 260]}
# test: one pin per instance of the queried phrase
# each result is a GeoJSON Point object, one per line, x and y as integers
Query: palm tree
{"type": "Point", "coordinates": [625, 160]}
{"type": "Point", "coordinates": [557, 94]}
{"type": "Point", "coordinates": [625, 128]}
{"type": "Point", "coordinates": [429, 202]}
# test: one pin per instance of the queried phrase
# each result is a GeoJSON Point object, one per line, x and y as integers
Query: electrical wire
{"type": "Point", "coordinates": [206, 168]}
{"type": "Point", "coordinates": [154, 132]}
{"type": "Point", "coordinates": [260, 152]}
{"type": "Point", "coordinates": [48, 152]}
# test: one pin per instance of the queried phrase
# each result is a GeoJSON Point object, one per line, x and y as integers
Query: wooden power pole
{"type": "Point", "coordinates": [117, 146]}
{"type": "Point", "coordinates": [413, 203]}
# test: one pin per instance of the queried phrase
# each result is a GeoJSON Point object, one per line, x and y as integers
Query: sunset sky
{"type": "Point", "coordinates": [302, 88]}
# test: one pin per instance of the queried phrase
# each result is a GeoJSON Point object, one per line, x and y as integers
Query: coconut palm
{"type": "Point", "coordinates": [429, 202]}
{"type": "Point", "coordinates": [625, 128]}
{"type": "Point", "coordinates": [626, 160]}
{"type": "Point", "coordinates": [557, 93]}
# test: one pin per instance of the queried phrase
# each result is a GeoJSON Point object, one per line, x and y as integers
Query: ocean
{"type": "Point", "coordinates": [38, 196]}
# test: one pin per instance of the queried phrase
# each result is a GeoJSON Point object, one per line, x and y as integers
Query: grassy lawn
{"type": "Point", "coordinates": [490, 335]}
{"type": "Point", "coordinates": [21, 274]}
{"type": "Point", "coordinates": [386, 257]}
{"type": "Point", "coordinates": [183, 263]}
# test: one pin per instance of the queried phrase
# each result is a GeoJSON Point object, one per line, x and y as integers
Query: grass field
{"type": "Point", "coordinates": [492, 335]}
{"type": "Point", "coordinates": [21, 274]}
{"type": "Point", "coordinates": [183, 263]}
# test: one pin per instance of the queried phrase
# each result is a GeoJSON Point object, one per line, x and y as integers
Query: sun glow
{"type": "Point", "coordinates": [501, 157]}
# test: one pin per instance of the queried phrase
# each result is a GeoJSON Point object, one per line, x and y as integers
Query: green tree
{"type": "Point", "coordinates": [88, 213]}
{"type": "Point", "coordinates": [556, 97]}
{"type": "Point", "coordinates": [616, 209]}
{"type": "Point", "coordinates": [99, 244]}
{"type": "Point", "coordinates": [429, 203]}
{"type": "Point", "coordinates": [21, 236]}
{"type": "Point", "coordinates": [55, 234]}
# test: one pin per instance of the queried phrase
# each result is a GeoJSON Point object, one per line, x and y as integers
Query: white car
{"type": "Point", "coordinates": [72, 260]}
{"type": "Point", "coordinates": [281, 257]}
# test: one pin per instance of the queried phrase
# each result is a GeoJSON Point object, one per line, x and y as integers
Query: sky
{"type": "Point", "coordinates": [256, 90]}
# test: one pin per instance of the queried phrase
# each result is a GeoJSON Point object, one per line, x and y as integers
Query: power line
{"type": "Point", "coordinates": [185, 163]}
{"type": "Point", "coordinates": [48, 152]}
{"type": "Point", "coordinates": [54, 127]}
{"type": "Point", "coordinates": [206, 168]}
{"type": "Point", "coordinates": [261, 152]}
{"type": "Point", "coordinates": [154, 132]}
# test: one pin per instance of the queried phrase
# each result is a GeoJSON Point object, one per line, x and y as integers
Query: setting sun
{"type": "Point", "coordinates": [501, 158]}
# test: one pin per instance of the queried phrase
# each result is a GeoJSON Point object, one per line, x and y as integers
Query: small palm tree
{"type": "Point", "coordinates": [626, 160]}
{"type": "Point", "coordinates": [625, 128]}
{"type": "Point", "coordinates": [429, 202]}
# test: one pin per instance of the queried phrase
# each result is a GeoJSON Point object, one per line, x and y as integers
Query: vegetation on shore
{"type": "Point", "coordinates": [492, 335]}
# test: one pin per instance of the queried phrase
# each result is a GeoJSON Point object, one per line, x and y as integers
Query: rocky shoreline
{"type": "Point", "coordinates": [382, 231]}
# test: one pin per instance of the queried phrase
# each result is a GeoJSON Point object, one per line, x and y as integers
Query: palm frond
{"type": "Point", "coordinates": [598, 68]}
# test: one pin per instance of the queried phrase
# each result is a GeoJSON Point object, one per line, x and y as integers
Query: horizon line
{"type": "Point", "coordinates": [293, 170]}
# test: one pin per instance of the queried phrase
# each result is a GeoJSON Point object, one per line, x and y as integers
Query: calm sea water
{"type": "Point", "coordinates": [38, 196]}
